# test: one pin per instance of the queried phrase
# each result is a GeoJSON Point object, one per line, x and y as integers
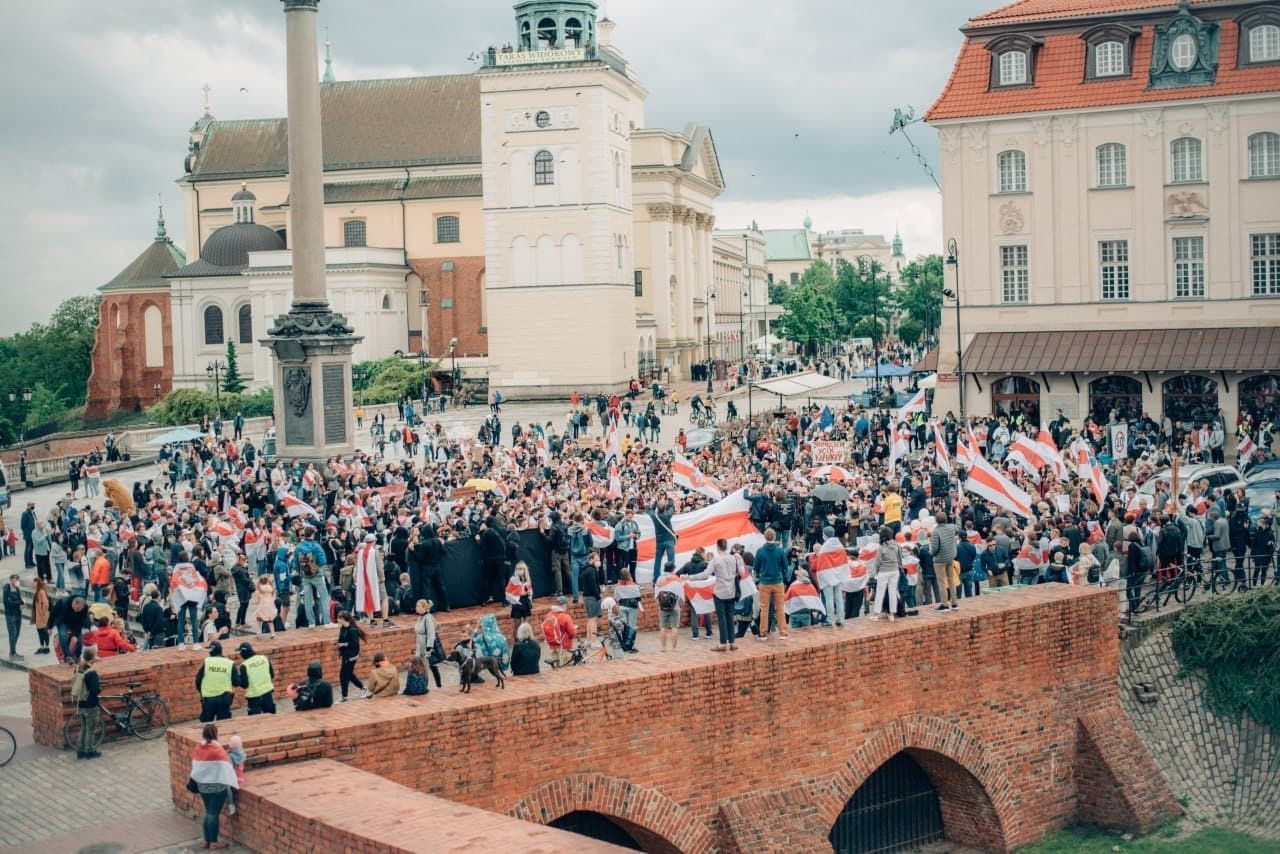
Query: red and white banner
{"type": "Point", "coordinates": [829, 565]}
{"type": "Point", "coordinates": [727, 519]}
{"type": "Point", "coordinates": [187, 585]}
{"type": "Point", "coordinates": [900, 445]}
{"type": "Point", "coordinates": [1245, 450]}
{"type": "Point", "coordinates": [236, 517]}
{"type": "Point", "coordinates": [835, 474]}
{"type": "Point", "coordinates": [296, 507]}
{"type": "Point", "coordinates": [803, 596]}
{"type": "Point", "coordinates": [368, 596]}
{"type": "Point", "coordinates": [1050, 454]}
{"type": "Point", "coordinates": [1025, 454]}
{"type": "Point", "coordinates": [701, 595]}
{"type": "Point", "coordinates": [223, 530]}
{"type": "Point", "coordinates": [1087, 466]}
{"type": "Point", "coordinates": [613, 441]}
{"type": "Point", "coordinates": [669, 582]}
{"type": "Point", "coordinates": [985, 481]}
{"type": "Point", "coordinates": [615, 481]}
{"type": "Point", "coordinates": [516, 589]}
{"type": "Point", "coordinates": [940, 455]}
{"type": "Point", "coordinates": [687, 475]}
{"type": "Point", "coordinates": [1028, 559]}
{"type": "Point", "coordinates": [911, 407]}
{"type": "Point", "coordinates": [601, 533]}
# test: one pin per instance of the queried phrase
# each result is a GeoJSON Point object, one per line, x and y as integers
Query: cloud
{"type": "Point", "coordinates": [799, 96]}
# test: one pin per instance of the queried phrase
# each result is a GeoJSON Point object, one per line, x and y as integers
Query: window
{"type": "Point", "coordinates": [621, 249]}
{"type": "Point", "coordinates": [1264, 43]}
{"type": "Point", "coordinates": [447, 229]}
{"type": "Point", "coordinates": [795, 279]}
{"type": "Point", "coordinates": [1108, 59]}
{"type": "Point", "coordinates": [1264, 155]}
{"type": "Point", "coordinates": [1015, 274]}
{"type": "Point", "coordinates": [1011, 170]}
{"type": "Point", "coordinates": [1185, 153]}
{"type": "Point", "coordinates": [1182, 53]}
{"type": "Point", "coordinates": [213, 326]}
{"type": "Point", "coordinates": [244, 319]}
{"type": "Point", "coordinates": [1113, 269]}
{"type": "Point", "coordinates": [1013, 68]}
{"type": "Point", "coordinates": [1112, 171]}
{"type": "Point", "coordinates": [386, 302]}
{"type": "Point", "coordinates": [544, 169]}
{"type": "Point", "coordinates": [1264, 251]}
{"type": "Point", "coordinates": [353, 233]}
{"type": "Point", "coordinates": [1188, 267]}
{"type": "Point", "coordinates": [639, 283]}
{"type": "Point", "coordinates": [543, 119]}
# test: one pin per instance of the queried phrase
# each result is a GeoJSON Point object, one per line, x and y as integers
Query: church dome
{"type": "Point", "coordinates": [230, 245]}
{"type": "Point", "coordinates": [244, 194]}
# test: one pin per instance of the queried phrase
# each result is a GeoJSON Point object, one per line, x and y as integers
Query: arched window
{"type": "Point", "coordinates": [353, 232]}
{"type": "Point", "coordinates": [1013, 67]}
{"type": "Point", "coordinates": [1122, 395]}
{"type": "Point", "coordinates": [1264, 43]}
{"type": "Point", "coordinates": [544, 169]}
{"type": "Point", "coordinates": [1185, 155]}
{"type": "Point", "coordinates": [1108, 59]}
{"type": "Point", "coordinates": [1264, 155]}
{"type": "Point", "coordinates": [573, 33]}
{"type": "Point", "coordinates": [386, 302]}
{"type": "Point", "coordinates": [547, 33]}
{"type": "Point", "coordinates": [213, 326]}
{"type": "Point", "coordinates": [1113, 168]}
{"type": "Point", "coordinates": [1260, 398]}
{"type": "Point", "coordinates": [1011, 171]}
{"type": "Point", "coordinates": [244, 319]}
{"type": "Point", "coordinates": [1017, 394]}
{"type": "Point", "coordinates": [153, 337]}
{"type": "Point", "coordinates": [526, 37]}
{"type": "Point", "coordinates": [1191, 399]}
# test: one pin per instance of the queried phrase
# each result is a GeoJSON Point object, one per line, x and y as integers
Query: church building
{"type": "Point", "coordinates": [522, 218]}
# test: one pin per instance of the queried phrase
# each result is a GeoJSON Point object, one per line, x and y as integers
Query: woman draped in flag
{"type": "Point", "coordinates": [370, 582]}
{"type": "Point", "coordinates": [214, 778]}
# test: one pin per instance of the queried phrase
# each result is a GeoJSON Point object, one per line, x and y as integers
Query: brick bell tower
{"type": "Point", "coordinates": [557, 110]}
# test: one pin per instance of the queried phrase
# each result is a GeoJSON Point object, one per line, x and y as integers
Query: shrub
{"type": "Point", "coordinates": [189, 405]}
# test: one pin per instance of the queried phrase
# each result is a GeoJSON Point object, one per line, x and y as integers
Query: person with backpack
{"type": "Point", "coordinates": [85, 688]}
{"type": "Point", "coordinates": [579, 552]}
{"type": "Point", "coordinates": [668, 612]}
{"type": "Point", "coordinates": [559, 631]}
{"type": "Point", "coordinates": [315, 693]}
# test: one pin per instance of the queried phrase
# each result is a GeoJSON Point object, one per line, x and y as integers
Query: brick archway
{"type": "Point", "coordinates": [976, 796]}
{"type": "Point", "coordinates": [653, 819]}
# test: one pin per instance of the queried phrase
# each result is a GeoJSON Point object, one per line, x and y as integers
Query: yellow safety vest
{"type": "Point", "coordinates": [258, 671]}
{"type": "Point", "coordinates": [217, 677]}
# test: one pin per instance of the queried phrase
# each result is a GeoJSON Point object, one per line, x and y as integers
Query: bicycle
{"type": "Point", "coordinates": [8, 746]}
{"type": "Point", "coordinates": [703, 417]}
{"type": "Point", "coordinates": [145, 717]}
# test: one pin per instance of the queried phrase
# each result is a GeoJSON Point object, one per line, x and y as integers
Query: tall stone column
{"type": "Point", "coordinates": [311, 343]}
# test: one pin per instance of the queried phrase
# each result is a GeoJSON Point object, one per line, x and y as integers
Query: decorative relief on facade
{"type": "Point", "coordinates": [949, 141]}
{"type": "Point", "coordinates": [1067, 129]}
{"type": "Point", "coordinates": [976, 135]}
{"type": "Point", "coordinates": [527, 120]}
{"type": "Point", "coordinates": [1043, 131]}
{"type": "Point", "coordinates": [1151, 121]}
{"type": "Point", "coordinates": [1186, 205]}
{"type": "Point", "coordinates": [1012, 220]}
{"type": "Point", "coordinates": [1217, 121]}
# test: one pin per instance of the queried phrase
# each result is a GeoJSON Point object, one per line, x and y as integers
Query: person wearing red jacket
{"type": "Point", "coordinates": [108, 639]}
{"type": "Point", "coordinates": [559, 631]}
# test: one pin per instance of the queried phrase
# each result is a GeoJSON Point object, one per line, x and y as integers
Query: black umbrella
{"type": "Point", "coordinates": [831, 492]}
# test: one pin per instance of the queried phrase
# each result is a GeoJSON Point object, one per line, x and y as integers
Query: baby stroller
{"type": "Point", "coordinates": [620, 635]}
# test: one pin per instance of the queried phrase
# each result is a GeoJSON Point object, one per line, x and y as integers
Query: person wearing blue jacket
{"type": "Point", "coordinates": [282, 574]}
{"type": "Point", "coordinates": [315, 588]}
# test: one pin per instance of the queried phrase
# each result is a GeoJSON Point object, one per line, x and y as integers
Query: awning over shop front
{"type": "Point", "coordinates": [928, 363]}
{"type": "Point", "coordinates": [796, 385]}
{"type": "Point", "coordinates": [1243, 349]}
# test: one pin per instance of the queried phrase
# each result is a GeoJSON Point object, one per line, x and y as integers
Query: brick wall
{"type": "Point", "coordinates": [171, 672]}
{"type": "Point", "coordinates": [987, 701]}
{"type": "Point", "coordinates": [120, 380]}
{"type": "Point", "coordinates": [463, 316]}
{"type": "Point", "coordinates": [327, 806]}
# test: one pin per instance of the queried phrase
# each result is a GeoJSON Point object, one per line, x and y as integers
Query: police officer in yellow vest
{"type": "Point", "coordinates": [255, 676]}
{"type": "Point", "coordinates": [213, 681]}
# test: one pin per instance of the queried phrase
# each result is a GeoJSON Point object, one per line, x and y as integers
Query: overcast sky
{"type": "Point", "coordinates": [97, 99]}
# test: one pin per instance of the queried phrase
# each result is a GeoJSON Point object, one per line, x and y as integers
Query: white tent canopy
{"type": "Point", "coordinates": [930, 381]}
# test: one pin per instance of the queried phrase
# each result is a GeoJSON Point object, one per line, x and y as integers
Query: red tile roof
{"type": "Point", "coordinates": [1059, 77]}
{"type": "Point", "coordinates": [1022, 11]}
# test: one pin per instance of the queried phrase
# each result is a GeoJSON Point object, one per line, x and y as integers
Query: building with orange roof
{"type": "Point", "coordinates": [1111, 180]}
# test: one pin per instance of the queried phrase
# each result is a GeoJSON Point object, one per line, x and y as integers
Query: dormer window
{"type": "Point", "coordinates": [1109, 51]}
{"type": "Point", "coordinates": [1182, 52]}
{"type": "Point", "coordinates": [1013, 67]}
{"type": "Point", "coordinates": [1013, 60]}
{"type": "Point", "coordinates": [1259, 35]}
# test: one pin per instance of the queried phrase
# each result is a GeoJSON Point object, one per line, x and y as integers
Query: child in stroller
{"type": "Point", "coordinates": [621, 635]}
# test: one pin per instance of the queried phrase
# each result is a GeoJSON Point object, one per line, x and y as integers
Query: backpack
{"type": "Point", "coordinates": [1146, 559]}
{"type": "Point", "coordinates": [307, 565]}
{"type": "Point", "coordinates": [580, 544]}
{"type": "Point", "coordinates": [79, 688]}
{"type": "Point", "coordinates": [667, 600]}
{"type": "Point", "coordinates": [560, 538]}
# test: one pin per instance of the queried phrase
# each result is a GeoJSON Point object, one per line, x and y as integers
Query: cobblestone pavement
{"type": "Point", "coordinates": [1225, 772]}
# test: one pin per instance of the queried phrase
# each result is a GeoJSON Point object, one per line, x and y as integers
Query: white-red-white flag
{"type": "Point", "coordinates": [985, 481]}
{"type": "Point", "coordinates": [296, 507]}
{"type": "Point", "coordinates": [803, 596]}
{"type": "Point", "coordinates": [1025, 454]}
{"type": "Point", "coordinates": [940, 455]}
{"type": "Point", "coordinates": [689, 476]}
{"type": "Point", "coordinates": [829, 565]}
{"type": "Point", "coordinates": [916, 404]}
{"type": "Point", "coordinates": [701, 595]}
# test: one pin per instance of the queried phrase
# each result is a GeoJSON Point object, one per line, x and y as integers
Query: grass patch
{"type": "Point", "coordinates": [1208, 840]}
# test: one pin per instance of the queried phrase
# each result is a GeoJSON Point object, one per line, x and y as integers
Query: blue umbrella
{"type": "Point", "coordinates": [885, 371]}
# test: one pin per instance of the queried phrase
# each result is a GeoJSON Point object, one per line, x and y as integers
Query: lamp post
{"type": "Point", "coordinates": [875, 315]}
{"type": "Point", "coordinates": [215, 369]}
{"type": "Point", "coordinates": [711, 301]}
{"type": "Point", "coordinates": [953, 260]}
{"type": "Point", "coordinates": [25, 396]}
{"type": "Point", "coordinates": [453, 367]}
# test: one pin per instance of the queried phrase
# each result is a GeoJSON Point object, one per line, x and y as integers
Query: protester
{"type": "Point", "coordinates": [214, 777]}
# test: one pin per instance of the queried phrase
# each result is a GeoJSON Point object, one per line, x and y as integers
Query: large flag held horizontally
{"type": "Point", "coordinates": [296, 507]}
{"type": "Point", "coordinates": [727, 519]}
{"type": "Point", "coordinates": [1025, 454]}
{"type": "Point", "coordinates": [985, 481]}
{"type": "Point", "coordinates": [687, 475]}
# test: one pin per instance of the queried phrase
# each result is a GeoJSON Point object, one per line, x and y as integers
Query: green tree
{"type": "Point", "coordinates": [46, 405]}
{"type": "Point", "coordinates": [810, 313]}
{"type": "Point", "coordinates": [920, 294]}
{"type": "Point", "coordinates": [231, 381]}
{"type": "Point", "coordinates": [910, 330]}
{"type": "Point", "coordinates": [387, 380]}
{"type": "Point", "coordinates": [863, 293]}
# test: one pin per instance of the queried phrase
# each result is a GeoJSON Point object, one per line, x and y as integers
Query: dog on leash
{"type": "Point", "coordinates": [470, 665]}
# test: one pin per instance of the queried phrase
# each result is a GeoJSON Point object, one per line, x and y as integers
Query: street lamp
{"type": "Point", "coordinates": [953, 260]}
{"type": "Point", "coordinates": [215, 369]}
{"type": "Point", "coordinates": [25, 395]}
{"type": "Point", "coordinates": [875, 315]}
{"type": "Point", "coordinates": [422, 368]}
{"type": "Point", "coordinates": [711, 301]}
{"type": "Point", "coordinates": [453, 367]}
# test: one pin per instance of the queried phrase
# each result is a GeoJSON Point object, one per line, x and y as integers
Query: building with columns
{"type": "Point", "coordinates": [1111, 179]}
{"type": "Point", "coordinates": [522, 214]}
{"type": "Point", "coordinates": [790, 251]}
{"type": "Point", "coordinates": [741, 287]}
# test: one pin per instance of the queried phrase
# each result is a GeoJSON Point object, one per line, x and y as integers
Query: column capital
{"type": "Point", "coordinates": [660, 212]}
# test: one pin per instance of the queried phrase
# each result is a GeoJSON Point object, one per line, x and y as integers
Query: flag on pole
{"type": "Point", "coordinates": [615, 481]}
{"type": "Point", "coordinates": [1025, 454]}
{"type": "Point", "coordinates": [985, 481]}
{"type": "Point", "coordinates": [612, 441]}
{"type": "Point", "coordinates": [689, 476]}
{"type": "Point", "coordinates": [940, 455]}
{"type": "Point", "coordinates": [296, 507]}
{"type": "Point", "coordinates": [911, 407]}
{"type": "Point", "coordinates": [1050, 453]}
{"type": "Point", "coordinates": [1087, 465]}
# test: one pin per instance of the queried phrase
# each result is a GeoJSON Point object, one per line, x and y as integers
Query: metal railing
{"type": "Point", "coordinates": [1176, 585]}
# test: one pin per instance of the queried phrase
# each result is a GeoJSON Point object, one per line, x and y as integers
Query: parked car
{"type": "Point", "coordinates": [1266, 470]}
{"type": "Point", "coordinates": [1263, 495]}
{"type": "Point", "coordinates": [1220, 477]}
